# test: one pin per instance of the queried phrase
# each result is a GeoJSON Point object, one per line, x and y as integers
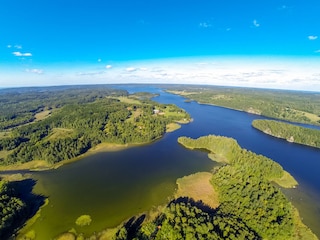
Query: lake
{"type": "Point", "coordinates": [113, 186]}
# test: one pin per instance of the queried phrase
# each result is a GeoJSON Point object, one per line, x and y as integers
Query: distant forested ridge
{"type": "Point", "coordinates": [54, 124]}
{"type": "Point", "coordinates": [292, 133]}
{"type": "Point", "coordinates": [251, 205]}
{"type": "Point", "coordinates": [294, 106]}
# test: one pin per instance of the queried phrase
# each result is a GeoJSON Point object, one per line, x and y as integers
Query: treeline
{"type": "Point", "coordinates": [184, 219]}
{"type": "Point", "coordinates": [228, 148]}
{"type": "Point", "coordinates": [76, 127]}
{"type": "Point", "coordinates": [19, 106]}
{"type": "Point", "coordinates": [290, 132]}
{"type": "Point", "coordinates": [17, 204]}
{"type": "Point", "coordinates": [292, 106]}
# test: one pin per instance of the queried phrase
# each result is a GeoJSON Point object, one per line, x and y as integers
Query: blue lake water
{"type": "Point", "coordinates": [112, 186]}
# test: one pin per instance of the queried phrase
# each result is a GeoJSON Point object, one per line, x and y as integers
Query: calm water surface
{"type": "Point", "coordinates": [112, 186]}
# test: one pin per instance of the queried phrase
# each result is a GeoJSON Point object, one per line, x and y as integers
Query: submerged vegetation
{"type": "Point", "coordinates": [292, 133]}
{"type": "Point", "coordinates": [76, 120]}
{"type": "Point", "coordinates": [292, 106]}
{"type": "Point", "coordinates": [83, 220]}
{"type": "Point", "coordinates": [250, 205]}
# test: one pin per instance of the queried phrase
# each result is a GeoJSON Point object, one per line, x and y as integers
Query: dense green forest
{"type": "Point", "coordinates": [53, 124]}
{"type": "Point", "coordinates": [292, 106]}
{"type": "Point", "coordinates": [291, 133]}
{"type": "Point", "coordinates": [251, 206]}
{"type": "Point", "coordinates": [17, 204]}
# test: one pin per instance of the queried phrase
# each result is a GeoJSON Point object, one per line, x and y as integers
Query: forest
{"type": "Point", "coordinates": [55, 124]}
{"type": "Point", "coordinates": [251, 205]}
{"type": "Point", "coordinates": [17, 204]}
{"type": "Point", "coordinates": [289, 132]}
{"type": "Point", "coordinates": [294, 106]}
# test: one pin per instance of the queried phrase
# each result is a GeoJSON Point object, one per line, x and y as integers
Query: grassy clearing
{"type": "Point", "coordinates": [218, 158]}
{"type": "Point", "coordinates": [286, 181]}
{"type": "Point", "coordinates": [4, 154]}
{"type": "Point", "coordinates": [42, 115]}
{"type": "Point", "coordinates": [311, 116]}
{"type": "Point", "coordinates": [171, 127]}
{"type": "Point", "coordinates": [127, 100]}
{"type": "Point", "coordinates": [60, 133]}
{"type": "Point", "coordinates": [5, 134]}
{"type": "Point", "coordinates": [198, 187]}
{"type": "Point", "coordinates": [134, 114]}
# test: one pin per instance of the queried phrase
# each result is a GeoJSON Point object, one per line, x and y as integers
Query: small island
{"type": "Point", "coordinates": [291, 133]}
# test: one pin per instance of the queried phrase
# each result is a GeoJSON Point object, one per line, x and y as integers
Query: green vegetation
{"type": "Point", "coordinates": [83, 220]}
{"type": "Point", "coordinates": [249, 205]}
{"type": "Point", "coordinates": [291, 133]}
{"type": "Point", "coordinates": [198, 187]}
{"type": "Point", "coordinates": [17, 204]}
{"type": "Point", "coordinates": [81, 118]}
{"type": "Point", "coordinates": [287, 105]}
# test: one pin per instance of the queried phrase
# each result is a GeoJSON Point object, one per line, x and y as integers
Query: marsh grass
{"type": "Point", "coordinates": [198, 187]}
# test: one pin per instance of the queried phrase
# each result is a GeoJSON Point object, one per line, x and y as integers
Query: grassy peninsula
{"type": "Point", "coordinates": [41, 127]}
{"type": "Point", "coordinates": [289, 132]}
{"type": "Point", "coordinates": [240, 200]}
{"type": "Point", "coordinates": [303, 107]}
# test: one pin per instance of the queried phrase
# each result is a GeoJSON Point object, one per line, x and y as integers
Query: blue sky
{"type": "Point", "coordinates": [58, 42]}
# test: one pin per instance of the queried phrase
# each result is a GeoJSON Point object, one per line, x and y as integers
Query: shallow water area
{"type": "Point", "coordinates": [113, 186]}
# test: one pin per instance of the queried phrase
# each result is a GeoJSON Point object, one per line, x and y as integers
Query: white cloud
{"type": "Point", "coordinates": [90, 73]}
{"type": "Point", "coordinates": [281, 73]}
{"type": "Point", "coordinates": [20, 54]}
{"type": "Point", "coordinates": [255, 23]}
{"type": "Point", "coordinates": [9, 46]}
{"type": "Point", "coordinates": [18, 46]}
{"type": "Point", "coordinates": [131, 69]}
{"type": "Point", "coordinates": [108, 66]}
{"type": "Point", "coordinates": [35, 70]}
{"type": "Point", "coordinates": [311, 37]}
{"type": "Point", "coordinates": [317, 51]}
{"type": "Point", "coordinates": [205, 25]}
{"type": "Point", "coordinates": [99, 60]}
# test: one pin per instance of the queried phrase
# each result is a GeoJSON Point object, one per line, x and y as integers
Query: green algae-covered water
{"type": "Point", "coordinates": [112, 186]}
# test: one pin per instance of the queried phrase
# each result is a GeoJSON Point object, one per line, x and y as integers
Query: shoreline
{"type": "Point", "coordinates": [249, 111]}
{"type": "Point", "coordinates": [41, 165]}
{"type": "Point", "coordinates": [289, 140]}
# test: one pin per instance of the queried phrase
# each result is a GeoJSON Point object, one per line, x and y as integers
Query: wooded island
{"type": "Point", "coordinates": [289, 132]}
